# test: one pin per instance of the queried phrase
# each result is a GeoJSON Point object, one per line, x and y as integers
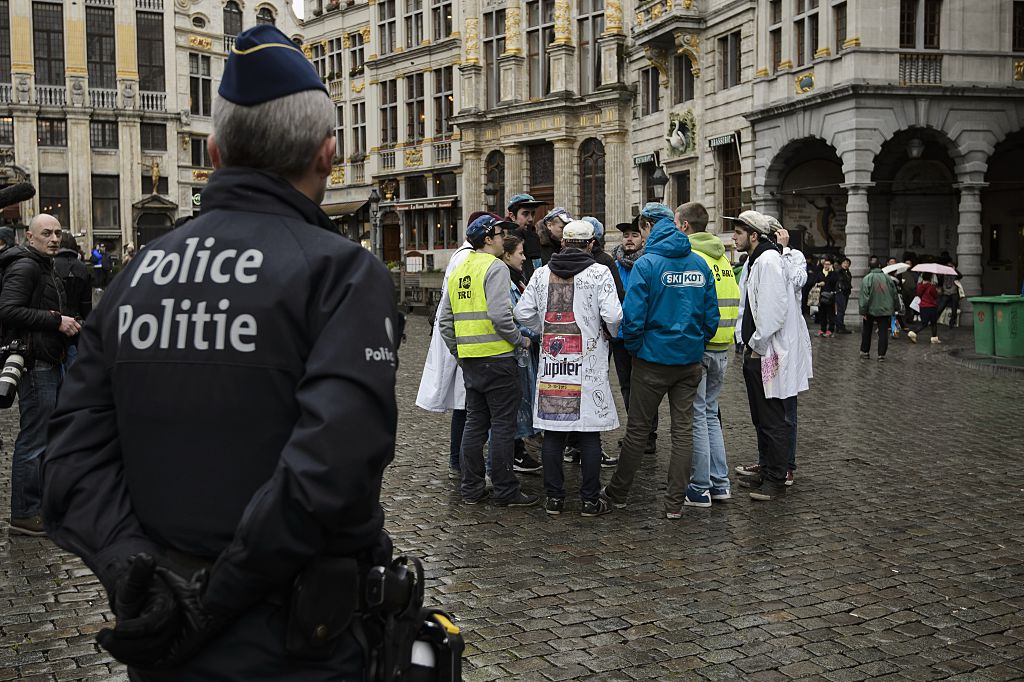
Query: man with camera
{"type": "Point", "coordinates": [217, 453]}
{"type": "Point", "coordinates": [32, 303]}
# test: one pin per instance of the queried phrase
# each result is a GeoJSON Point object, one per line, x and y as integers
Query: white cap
{"type": "Point", "coordinates": [578, 231]}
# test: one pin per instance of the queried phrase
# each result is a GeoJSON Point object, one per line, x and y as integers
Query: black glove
{"type": "Point", "coordinates": [199, 624]}
{"type": "Point", "coordinates": [148, 618]}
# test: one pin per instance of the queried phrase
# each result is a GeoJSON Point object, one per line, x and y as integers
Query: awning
{"type": "Point", "coordinates": [343, 208]}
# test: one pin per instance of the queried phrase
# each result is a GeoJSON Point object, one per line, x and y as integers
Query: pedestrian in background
{"type": "Point", "coordinates": [77, 278]}
{"type": "Point", "coordinates": [522, 211]}
{"type": "Point", "coordinates": [522, 462]}
{"type": "Point", "coordinates": [927, 296]}
{"type": "Point", "coordinates": [827, 299]}
{"type": "Point", "coordinates": [844, 288]}
{"type": "Point", "coordinates": [550, 232]}
{"type": "Point", "coordinates": [878, 296]}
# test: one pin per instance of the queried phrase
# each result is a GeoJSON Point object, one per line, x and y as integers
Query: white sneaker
{"type": "Point", "coordinates": [912, 336]}
{"type": "Point", "coordinates": [935, 339]}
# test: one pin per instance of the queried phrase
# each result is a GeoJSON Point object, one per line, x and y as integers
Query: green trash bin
{"type": "Point", "coordinates": [1008, 315]}
{"type": "Point", "coordinates": [984, 324]}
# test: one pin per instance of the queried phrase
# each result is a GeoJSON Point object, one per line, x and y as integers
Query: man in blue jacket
{"type": "Point", "coordinates": [669, 315]}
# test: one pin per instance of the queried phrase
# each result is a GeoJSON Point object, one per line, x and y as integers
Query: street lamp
{"type": "Point", "coordinates": [658, 182]}
{"type": "Point", "coordinates": [374, 221]}
{"type": "Point", "coordinates": [915, 148]}
{"type": "Point", "coordinates": [490, 195]}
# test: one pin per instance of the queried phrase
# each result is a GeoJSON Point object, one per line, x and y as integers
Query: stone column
{"type": "Point", "coordinates": [512, 61]}
{"type": "Point", "coordinates": [129, 139]}
{"type": "Point", "coordinates": [857, 238]}
{"type": "Point", "coordinates": [80, 172]}
{"type": "Point", "coordinates": [566, 187]}
{"type": "Point", "coordinates": [562, 52]}
{"type": "Point", "coordinates": [472, 93]}
{"type": "Point", "coordinates": [611, 43]}
{"type": "Point", "coordinates": [968, 246]}
{"type": "Point", "coordinates": [513, 170]}
{"type": "Point", "coordinates": [617, 172]}
{"type": "Point", "coordinates": [472, 185]}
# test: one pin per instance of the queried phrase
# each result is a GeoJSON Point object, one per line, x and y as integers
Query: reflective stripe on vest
{"type": "Point", "coordinates": [474, 331]}
{"type": "Point", "coordinates": [728, 291]}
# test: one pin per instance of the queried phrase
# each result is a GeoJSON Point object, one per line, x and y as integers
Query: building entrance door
{"type": "Point", "coordinates": [391, 248]}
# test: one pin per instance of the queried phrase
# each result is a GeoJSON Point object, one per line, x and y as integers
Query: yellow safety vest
{"type": "Point", "coordinates": [728, 291]}
{"type": "Point", "coordinates": [474, 331]}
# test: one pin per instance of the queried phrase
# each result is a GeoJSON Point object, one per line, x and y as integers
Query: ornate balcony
{"type": "Point", "coordinates": [387, 160]}
{"type": "Point", "coordinates": [6, 93]}
{"type": "Point", "coordinates": [103, 98]}
{"type": "Point", "coordinates": [229, 42]}
{"type": "Point", "coordinates": [358, 172]}
{"type": "Point", "coordinates": [51, 95]}
{"type": "Point", "coordinates": [442, 152]}
{"type": "Point", "coordinates": [920, 68]}
{"type": "Point", "coordinates": [336, 88]}
{"type": "Point", "coordinates": [149, 5]}
{"type": "Point", "coordinates": [153, 101]}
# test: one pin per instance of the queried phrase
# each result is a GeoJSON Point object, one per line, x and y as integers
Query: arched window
{"type": "Point", "coordinates": [232, 18]}
{"type": "Point", "coordinates": [494, 170]}
{"type": "Point", "coordinates": [592, 178]}
{"type": "Point", "coordinates": [265, 16]}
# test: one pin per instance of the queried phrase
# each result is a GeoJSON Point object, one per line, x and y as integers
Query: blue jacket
{"type": "Point", "coordinates": [671, 308]}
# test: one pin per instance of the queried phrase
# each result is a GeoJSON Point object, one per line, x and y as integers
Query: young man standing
{"type": "Point", "coordinates": [843, 291]}
{"type": "Point", "coordinates": [877, 305]}
{"type": "Point", "coordinates": [475, 321]}
{"type": "Point", "coordinates": [521, 210]}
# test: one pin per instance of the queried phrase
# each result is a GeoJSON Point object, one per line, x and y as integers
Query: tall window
{"type": "Point", "coordinates": [265, 15]}
{"type": "Point", "coordinates": [415, 108]}
{"type": "Point", "coordinates": [386, 26]}
{"type": "Point", "coordinates": [774, 34]}
{"type": "Point", "coordinates": [932, 23]}
{"type": "Point", "coordinates": [200, 152]}
{"type": "Point", "coordinates": [54, 196]}
{"type": "Point", "coordinates": [1018, 26]}
{"type": "Point", "coordinates": [839, 24]}
{"type": "Point", "coordinates": [441, 18]}
{"type": "Point", "coordinates": [592, 178]}
{"type": "Point", "coordinates": [920, 24]}
{"type": "Point", "coordinates": [7, 131]}
{"type": "Point", "coordinates": [106, 201]}
{"type": "Point", "coordinates": [729, 59]}
{"type": "Point", "coordinates": [200, 84]}
{"type": "Point", "coordinates": [650, 91]}
{"type": "Point", "coordinates": [99, 42]}
{"type": "Point", "coordinates": [103, 134]}
{"type": "Point", "coordinates": [540, 32]}
{"type": "Point", "coordinates": [805, 31]}
{"type": "Point", "coordinates": [590, 22]}
{"type": "Point", "coordinates": [320, 60]}
{"type": "Point", "coordinates": [494, 174]}
{"type": "Point", "coordinates": [153, 137]}
{"type": "Point", "coordinates": [494, 46]}
{"type": "Point", "coordinates": [335, 58]}
{"type": "Point", "coordinates": [150, 48]}
{"type": "Point", "coordinates": [48, 45]}
{"type": "Point", "coordinates": [52, 132]}
{"type": "Point", "coordinates": [359, 128]}
{"type": "Point", "coordinates": [444, 102]}
{"type": "Point", "coordinates": [413, 22]}
{"type": "Point", "coordinates": [731, 178]}
{"type": "Point", "coordinates": [389, 112]}
{"type": "Point", "coordinates": [356, 58]}
{"type": "Point", "coordinates": [681, 185]}
{"type": "Point", "coordinates": [5, 41]}
{"type": "Point", "coordinates": [339, 133]}
{"type": "Point", "coordinates": [445, 185]}
{"type": "Point", "coordinates": [232, 18]}
{"type": "Point", "coordinates": [683, 90]}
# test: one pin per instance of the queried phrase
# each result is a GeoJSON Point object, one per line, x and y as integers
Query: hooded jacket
{"type": "Point", "coordinates": [671, 307]}
{"type": "Point", "coordinates": [712, 250]}
{"type": "Point", "coordinates": [32, 300]}
{"type": "Point", "coordinates": [77, 278]}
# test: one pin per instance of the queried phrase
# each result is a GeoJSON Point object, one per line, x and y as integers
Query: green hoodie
{"type": "Point", "coordinates": [705, 242]}
{"type": "Point", "coordinates": [711, 248]}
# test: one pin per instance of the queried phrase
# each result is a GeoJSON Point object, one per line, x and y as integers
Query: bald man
{"type": "Point", "coordinates": [32, 307]}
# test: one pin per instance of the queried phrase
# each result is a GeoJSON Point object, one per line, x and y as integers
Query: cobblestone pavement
{"type": "Point", "coordinates": [899, 553]}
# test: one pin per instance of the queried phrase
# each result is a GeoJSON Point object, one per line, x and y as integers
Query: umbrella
{"type": "Point", "coordinates": [895, 269]}
{"type": "Point", "coordinates": [935, 268]}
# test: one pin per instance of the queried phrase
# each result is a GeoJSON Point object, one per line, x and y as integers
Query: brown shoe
{"type": "Point", "coordinates": [33, 525]}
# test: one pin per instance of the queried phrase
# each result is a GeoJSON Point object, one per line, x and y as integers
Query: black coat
{"type": "Point", "coordinates": [233, 399]}
{"type": "Point", "coordinates": [31, 303]}
{"type": "Point", "coordinates": [606, 259]}
{"type": "Point", "coordinates": [77, 279]}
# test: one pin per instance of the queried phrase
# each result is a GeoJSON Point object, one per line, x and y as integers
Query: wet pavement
{"type": "Point", "coordinates": [898, 554]}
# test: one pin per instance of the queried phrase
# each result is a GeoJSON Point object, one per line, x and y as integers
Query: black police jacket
{"type": "Point", "coordinates": [234, 398]}
{"type": "Point", "coordinates": [77, 279]}
{"type": "Point", "coordinates": [31, 302]}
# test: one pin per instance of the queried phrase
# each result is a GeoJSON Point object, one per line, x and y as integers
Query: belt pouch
{"type": "Point", "coordinates": [324, 598]}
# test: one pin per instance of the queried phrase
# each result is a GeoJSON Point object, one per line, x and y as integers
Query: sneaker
{"type": "Point", "coordinates": [912, 336]}
{"type": "Point", "coordinates": [881, 358]}
{"type": "Point", "coordinates": [695, 497]}
{"type": "Point", "coordinates": [554, 505]}
{"type": "Point", "coordinates": [524, 464]}
{"type": "Point", "coordinates": [674, 515]}
{"type": "Point", "coordinates": [572, 456]}
{"type": "Point", "coordinates": [479, 499]}
{"type": "Point", "coordinates": [896, 334]}
{"type": "Point", "coordinates": [607, 461]}
{"type": "Point", "coordinates": [748, 470]}
{"type": "Point", "coordinates": [32, 525]}
{"type": "Point", "coordinates": [935, 339]}
{"type": "Point", "coordinates": [750, 482]}
{"type": "Point", "coordinates": [865, 356]}
{"type": "Point", "coordinates": [719, 494]}
{"type": "Point", "coordinates": [767, 493]}
{"type": "Point", "coordinates": [454, 474]}
{"type": "Point", "coordinates": [598, 507]}
{"type": "Point", "coordinates": [828, 335]}
{"type": "Point", "coordinates": [617, 505]}
{"type": "Point", "coordinates": [820, 333]}
{"type": "Point", "coordinates": [520, 499]}
{"type": "Point", "coordinates": [789, 478]}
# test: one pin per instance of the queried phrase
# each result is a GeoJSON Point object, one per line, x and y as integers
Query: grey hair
{"type": "Point", "coordinates": [280, 136]}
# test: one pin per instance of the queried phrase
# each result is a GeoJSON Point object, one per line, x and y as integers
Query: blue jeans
{"type": "Point", "coordinates": [708, 469]}
{"type": "Point", "coordinates": [37, 399]}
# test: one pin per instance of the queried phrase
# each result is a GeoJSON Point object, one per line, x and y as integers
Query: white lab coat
{"type": "Point", "coordinates": [594, 300]}
{"type": "Point", "coordinates": [441, 385]}
{"type": "Point", "coordinates": [781, 336]}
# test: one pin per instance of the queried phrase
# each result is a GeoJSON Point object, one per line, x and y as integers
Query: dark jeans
{"type": "Point", "coordinates": [841, 300]}
{"type": "Point", "coordinates": [651, 382]}
{"type": "Point", "coordinates": [37, 399]}
{"type": "Point", "coordinates": [623, 370]}
{"type": "Point", "coordinates": [458, 427]}
{"type": "Point", "coordinates": [789, 405]}
{"type": "Point", "coordinates": [492, 399]}
{"type": "Point", "coordinates": [774, 429]}
{"type": "Point", "coordinates": [929, 318]}
{"type": "Point", "coordinates": [882, 322]}
{"type": "Point", "coordinates": [827, 316]}
{"type": "Point", "coordinates": [589, 444]}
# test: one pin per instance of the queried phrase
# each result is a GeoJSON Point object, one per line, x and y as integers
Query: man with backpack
{"type": "Point", "coordinates": [77, 279]}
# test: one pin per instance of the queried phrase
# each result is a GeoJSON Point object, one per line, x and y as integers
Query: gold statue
{"type": "Point", "coordinates": [154, 174]}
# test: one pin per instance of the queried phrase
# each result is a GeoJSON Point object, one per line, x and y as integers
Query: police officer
{"type": "Point", "coordinates": [233, 408]}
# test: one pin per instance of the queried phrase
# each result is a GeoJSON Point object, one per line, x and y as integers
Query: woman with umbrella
{"type": "Point", "coordinates": [928, 298]}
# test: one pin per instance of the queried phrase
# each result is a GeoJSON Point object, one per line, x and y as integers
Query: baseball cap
{"type": "Point", "coordinates": [485, 226]}
{"type": "Point", "coordinates": [476, 214]}
{"type": "Point", "coordinates": [578, 231]}
{"type": "Point", "coordinates": [559, 213]}
{"type": "Point", "coordinates": [773, 223]}
{"type": "Point", "coordinates": [598, 227]}
{"type": "Point", "coordinates": [655, 211]}
{"type": "Point", "coordinates": [523, 201]}
{"type": "Point", "coordinates": [755, 220]}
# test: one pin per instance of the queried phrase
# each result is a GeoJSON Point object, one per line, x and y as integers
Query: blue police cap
{"type": "Point", "coordinates": [265, 65]}
{"type": "Point", "coordinates": [654, 211]}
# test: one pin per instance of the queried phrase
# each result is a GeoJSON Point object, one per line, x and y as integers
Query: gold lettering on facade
{"type": "Point", "coordinates": [201, 42]}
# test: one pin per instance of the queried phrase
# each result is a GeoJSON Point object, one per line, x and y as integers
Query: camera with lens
{"type": "Point", "coordinates": [13, 355]}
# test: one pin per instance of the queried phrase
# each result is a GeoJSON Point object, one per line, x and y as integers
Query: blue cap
{"type": "Point", "coordinates": [523, 201]}
{"type": "Point", "coordinates": [598, 227]}
{"type": "Point", "coordinates": [265, 65]}
{"type": "Point", "coordinates": [654, 211]}
{"type": "Point", "coordinates": [485, 226]}
{"type": "Point", "coordinates": [559, 213]}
